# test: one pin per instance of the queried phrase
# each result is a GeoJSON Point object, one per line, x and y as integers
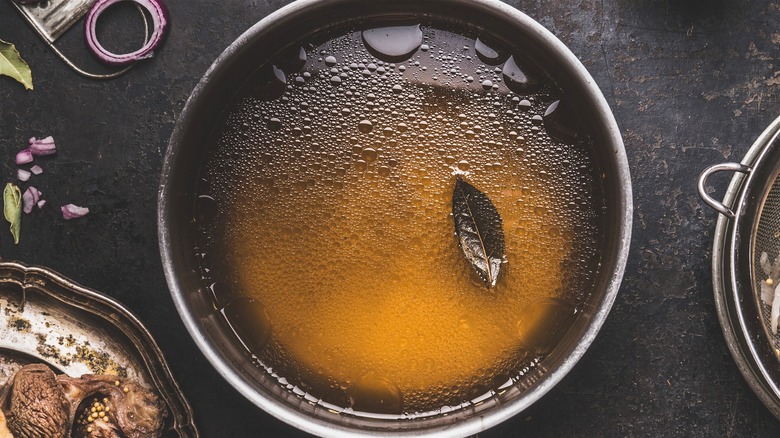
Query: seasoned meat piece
{"type": "Point", "coordinates": [38, 404]}
{"type": "Point", "coordinates": [34, 404]}
{"type": "Point", "coordinates": [96, 421]}
{"type": "Point", "coordinates": [4, 432]}
{"type": "Point", "coordinates": [137, 412]}
{"type": "Point", "coordinates": [100, 429]}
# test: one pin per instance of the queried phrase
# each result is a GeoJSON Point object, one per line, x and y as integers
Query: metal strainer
{"type": "Point", "coordinates": [766, 263]}
{"type": "Point", "coordinates": [749, 227]}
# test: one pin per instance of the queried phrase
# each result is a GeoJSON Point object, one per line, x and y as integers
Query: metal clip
{"type": "Point", "coordinates": [52, 18]}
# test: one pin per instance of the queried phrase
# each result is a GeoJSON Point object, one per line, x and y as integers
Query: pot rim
{"type": "Point", "coordinates": [623, 211]}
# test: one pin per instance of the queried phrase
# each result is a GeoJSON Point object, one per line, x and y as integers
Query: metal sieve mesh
{"type": "Point", "coordinates": [767, 241]}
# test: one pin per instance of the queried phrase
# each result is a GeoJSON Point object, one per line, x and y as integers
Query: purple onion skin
{"type": "Point", "coordinates": [71, 211]}
{"type": "Point", "coordinates": [24, 156]}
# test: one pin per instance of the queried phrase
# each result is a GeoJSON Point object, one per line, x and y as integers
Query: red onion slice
{"type": "Point", "coordinates": [43, 146]}
{"type": "Point", "coordinates": [36, 170]}
{"type": "Point", "coordinates": [24, 156]}
{"type": "Point", "coordinates": [160, 21]}
{"type": "Point", "coordinates": [30, 198]}
{"type": "Point", "coordinates": [35, 192]}
{"type": "Point", "coordinates": [27, 202]}
{"type": "Point", "coordinates": [71, 211]}
{"type": "Point", "coordinates": [22, 175]}
{"type": "Point", "coordinates": [41, 203]}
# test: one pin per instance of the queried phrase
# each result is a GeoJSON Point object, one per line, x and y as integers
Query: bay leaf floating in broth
{"type": "Point", "coordinates": [479, 230]}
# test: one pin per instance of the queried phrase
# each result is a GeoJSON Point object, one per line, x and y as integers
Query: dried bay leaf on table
{"type": "Point", "coordinates": [12, 64]}
{"type": "Point", "coordinates": [12, 209]}
{"type": "Point", "coordinates": [479, 230]}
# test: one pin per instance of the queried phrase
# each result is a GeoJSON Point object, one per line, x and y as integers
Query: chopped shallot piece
{"type": "Point", "coordinates": [27, 202]}
{"type": "Point", "coordinates": [770, 288]}
{"type": "Point", "coordinates": [43, 146]}
{"type": "Point", "coordinates": [30, 198]}
{"type": "Point", "coordinates": [36, 170]}
{"type": "Point", "coordinates": [22, 175]}
{"type": "Point", "coordinates": [775, 312]}
{"type": "Point", "coordinates": [24, 156]}
{"type": "Point", "coordinates": [41, 203]}
{"type": "Point", "coordinates": [71, 211]}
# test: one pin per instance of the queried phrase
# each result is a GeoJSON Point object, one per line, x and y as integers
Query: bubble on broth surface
{"type": "Point", "coordinates": [372, 393]}
{"type": "Point", "coordinates": [269, 83]}
{"type": "Point", "coordinates": [394, 43]}
{"type": "Point", "coordinates": [292, 60]}
{"type": "Point", "coordinates": [250, 321]}
{"type": "Point", "coordinates": [522, 80]}
{"type": "Point", "coordinates": [543, 323]}
{"type": "Point", "coordinates": [559, 123]}
{"type": "Point", "coordinates": [489, 52]}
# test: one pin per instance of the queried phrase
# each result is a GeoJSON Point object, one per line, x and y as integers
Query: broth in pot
{"type": "Point", "coordinates": [326, 229]}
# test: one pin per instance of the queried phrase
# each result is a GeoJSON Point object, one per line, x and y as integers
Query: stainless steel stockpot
{"type": "Point", "coordinates": [186, 149]}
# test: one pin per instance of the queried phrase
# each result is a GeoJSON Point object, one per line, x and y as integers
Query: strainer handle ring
{"type": "Point", "coordinates": [709, 200]}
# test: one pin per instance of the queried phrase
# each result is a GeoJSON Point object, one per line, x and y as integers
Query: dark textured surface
{"type": "Point", "coordinates": [691, 82]}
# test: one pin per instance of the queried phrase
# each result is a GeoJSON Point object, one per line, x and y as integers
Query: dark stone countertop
{"type": "Point", "coordinates": [691, 83]}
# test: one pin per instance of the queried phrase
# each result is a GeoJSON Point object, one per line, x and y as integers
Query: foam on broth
{"type": "Point", "coordinates": [325, 210]}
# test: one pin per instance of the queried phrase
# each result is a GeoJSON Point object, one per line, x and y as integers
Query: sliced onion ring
{"type": "Point", "coordinates": [160, 21]}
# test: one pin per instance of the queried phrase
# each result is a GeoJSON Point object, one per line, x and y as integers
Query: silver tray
{"type": "Point", "coordinates": [47, 318]}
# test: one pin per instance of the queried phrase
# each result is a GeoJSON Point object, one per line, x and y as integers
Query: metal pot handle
{"type": "Point", "coordinates": [723, 167]}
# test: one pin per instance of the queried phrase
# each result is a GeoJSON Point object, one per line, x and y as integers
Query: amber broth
{"type": "Point", "coordinates": [332, 212]}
